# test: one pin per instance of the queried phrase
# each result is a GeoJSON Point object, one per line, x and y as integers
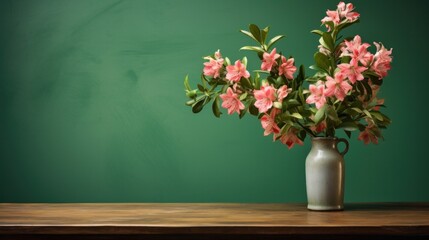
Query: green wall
{"type": "Point", "coordinates": [92, 103]}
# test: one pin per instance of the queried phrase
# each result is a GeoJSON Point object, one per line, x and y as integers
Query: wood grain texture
{"type": "Point", "coordinates": [208, 219]}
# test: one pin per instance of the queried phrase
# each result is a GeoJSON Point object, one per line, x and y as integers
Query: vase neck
{"type": "Point", "coordinates": [324, 142]}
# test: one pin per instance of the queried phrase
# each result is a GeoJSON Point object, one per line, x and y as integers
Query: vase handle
{"type": "Point", "coordinates": [347, 145]}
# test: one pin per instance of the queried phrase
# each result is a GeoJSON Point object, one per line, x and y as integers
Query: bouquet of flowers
{"type": "Point", "coordinates": [342, 94]}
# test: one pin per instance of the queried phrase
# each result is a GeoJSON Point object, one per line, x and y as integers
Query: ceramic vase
{"type": "Point", "coordinates": [324, 173]}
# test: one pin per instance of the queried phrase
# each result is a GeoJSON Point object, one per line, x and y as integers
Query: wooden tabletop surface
{"type": "Point", "coordinates": [212, 218]}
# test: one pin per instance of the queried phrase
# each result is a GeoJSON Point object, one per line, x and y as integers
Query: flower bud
{"type": "Point", "coordinates": [191, 94]}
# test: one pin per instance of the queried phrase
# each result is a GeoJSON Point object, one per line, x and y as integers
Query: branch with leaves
{"type": "Point", "coordinates": [341, 94]}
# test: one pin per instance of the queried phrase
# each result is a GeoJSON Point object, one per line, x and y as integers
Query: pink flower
{"type": "Point", "coordinates": [287, 68]}
{"type": "Point", "coordinates": [357, 50]}
{"type": "Point", "coordinates": [367, 60]}
{"type": "Point", "coordinates": [269, 60]}
{"type": "Point", "coordinates": [213, 67]}
{"type": "Point", "coordinates": [319, 127]}
{"type": "Point", "coordinates": [265, 97]}
{"type": "Point", "coordinates": [369, 134]}
{"type": "Point", "coordinates": [269, 124]}
{"type": "Point", "coordinates": [346, 11]}
{"type": "Point", "coordinates": [290, 138]}
{"type": "Point", "coordinates": [337, 86]}
{"type": "Point", "coordinates": [382, 53]}
{"type": "Point", "coordinates": [381, 68]}
{"type": "Point", "coordinates": [231, 101]}
{"type": "Point", "coordinates": [282, 92]}
{"type": "Point", "coordinates": [317, 95]}
{"type": "Point", "coordinates": [352, 71]}
{"type": "Point", "coordinates": [236, 72]}
{"type": "Point", "coordinates": [332, 16]}
{"type": "Point", "coordinates": [382, 60]}
{"type": "Point", "coordinates": [343, 13]}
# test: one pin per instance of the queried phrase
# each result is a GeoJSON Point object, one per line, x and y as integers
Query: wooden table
{"type": "Point", "coordinates": [212, 221]}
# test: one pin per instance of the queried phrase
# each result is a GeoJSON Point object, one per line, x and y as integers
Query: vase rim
{"type": "Point", "coordinates": [324, 138]}
{"type": "Point", "coordinates": [321, 138]}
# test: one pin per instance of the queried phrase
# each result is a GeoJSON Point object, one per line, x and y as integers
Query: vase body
{"type": "Point", "coordinates": [324, 173]}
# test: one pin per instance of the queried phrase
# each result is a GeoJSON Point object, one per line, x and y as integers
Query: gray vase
{"type": "Point", "coordinates": [324, 173]}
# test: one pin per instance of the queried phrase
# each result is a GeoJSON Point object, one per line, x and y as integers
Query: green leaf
{"type": "Point", "coordinates": [360, 87]}
{"type": "Point", "coordinates": [190, 102]}
{"type": "Point", "coordinates": [285, 129]}
{"type": "Point", "coordinates": [306, 113]}
{"type": "Point", "coordinates": [198, 106]}
{"type": "Point", "coordinates": [301, 94]}
{"type": "Point", "coordinates": [243, 96]}
{"type": "Point", "coordinates": [253, 109]}
{"type": "Point", "coordinates": [346, 59]}
{"type": "Point", "coordinates": [375, 79]}
{"type": "Point", "coordinates": [296, 115]}
{"type": "Point", "coordinates": [330, 131]}
{"type": "Point", "coordinates": [256, 32]}
{"type": "Point", "coordinates": [246, 108]}
{"type": "Point", "coordinates": [349, 126]}
{"type": "Point", "coordinates": [245, 83]}
{"type": "Point", "coordinates": [227, 61]}
{"type": "Point", "coordinates": [214, 81]}
{"type": "Point", "coordinates": [186, 82]}
{"type": "Point", "coordinates": [204, 80]}
{"type": "Point", "coordinates": [367, 113]}
{"type": "Point", "coordinates": [332, 114]}
{"type": "Point", "coordinates": [279, 81]}
{"type": "Point", "coordinates": [247, 105]}
{"type": "Point", "coordinates": [368, 89]}
{"type": "Point", "coordinates": [377, 115]}
{"type": "Point", "coordinates": [330, 24]}
{"type": "Point", "coordinates": [301, 75]}
{"type": "Point", "coordinates": [249, 35]}
{"type": "Point", "coordinates": [256, 81]}
{"type": "Point", "coordinates": [274, 40]}
{"type": "Point", "coordinates": [357, 110]}
{"type": "Point", "coordinates": [315, 67]}
{"type": "Point", "coordinates": [253, 48]}
{"type": "Point", "coordinates": [208, 99]}
{"type": "Point", "coordinates": [302, 134]}
{"type": "Point", "coordinates": [369, 73]}
{"type": "Point", "coordinates": [242, 113]}
{"type": "Point", "coordinates": [292, 103]}
{"type": "Point", "coordinates": [373, 76]}
{"type": "Point", "coordinates": [318, 32]}
{"type": "Point", "coordinates": [327, 41]}
{"type": "Point", "coordinates": [386, 119]}
{"type": "Point", "coordinates": [271, 80]}
{"type": "Point", "coordinates": [320, 115]}
{"type": "Point", "coordinates": [264, 34]}
{"type": "Point", "coordinates": [261, 71]}
{"type": "Point", "coordinates": [201, 88]}
{"type": "Point", "coordinates": [215, 107]}
{"type": "Point", "coordinates": [322, 61]}
{"type": "Point", "coordinates": [244, 61]}
{"type": "Point", "coordinates": [277, 105]}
